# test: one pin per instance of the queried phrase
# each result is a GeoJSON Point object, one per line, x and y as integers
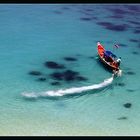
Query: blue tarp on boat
{"type": "Point", "coordinates": [109, 54]}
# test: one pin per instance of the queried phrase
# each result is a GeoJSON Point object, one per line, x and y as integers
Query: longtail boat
{"type": "Point", "coordinates": [108, 58]}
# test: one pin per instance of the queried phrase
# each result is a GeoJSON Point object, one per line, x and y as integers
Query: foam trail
{"type": "Point", "coordinates": [73, 90]}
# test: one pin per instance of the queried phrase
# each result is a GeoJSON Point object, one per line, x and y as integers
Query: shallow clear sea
{"type": "Point", "coordinates": [32, 34]}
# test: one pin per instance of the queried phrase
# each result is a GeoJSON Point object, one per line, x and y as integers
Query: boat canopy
{"type": "Point", "coordinates": [109, 54]}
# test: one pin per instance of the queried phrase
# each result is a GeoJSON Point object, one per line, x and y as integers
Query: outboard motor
{"type": "Point", "coordinates": [117, 72]}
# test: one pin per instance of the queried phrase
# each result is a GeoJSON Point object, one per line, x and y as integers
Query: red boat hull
{"type": "Point", "coordinates": [111, 65]}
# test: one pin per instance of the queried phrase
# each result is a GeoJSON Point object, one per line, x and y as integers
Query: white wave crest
{"type": "Point", "coordinates": [72, 90]}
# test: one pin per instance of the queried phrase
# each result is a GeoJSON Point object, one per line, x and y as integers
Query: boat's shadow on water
{"type": "Point", "coordinates": [103, 65]}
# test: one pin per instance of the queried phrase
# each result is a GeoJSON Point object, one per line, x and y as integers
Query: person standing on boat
{"type": "Point", "coordinates": [118, 61]}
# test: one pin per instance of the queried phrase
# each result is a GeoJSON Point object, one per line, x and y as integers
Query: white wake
{"type": "Point", "coordinates": [72, 90]}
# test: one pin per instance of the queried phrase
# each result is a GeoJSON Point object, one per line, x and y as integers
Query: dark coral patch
{"type": "Point", "coordinates": [133, 8]}
{"type": "Point", "coordinates": [87, 14]}
{"type": "Point", "coordinates": [122, 45]}
{"type": "Point", "coordinates": [117, 16]}
{"type": "Point", "coordinates": [133, 40]}
{"type": "Point", "coordinates": [118, 11]}
{"type": "Point", "coordinates": [130, 73]}
{"type": "Point", "coordinates": [41, 79]}
{"type": "Point", "coordinates": [120, 84]}
{"type": "Point", "coordinates": [122, 27]}
{"type": "Point", "coordinates": [137, 27]}
{"type": "Point", "coordinates": [94, 18]}
{"type": "Point", "coordinates": [55, 83]}
{"type": "Point", "coordinates": [69, 75]}
{"type": "Point", "coordinates": [70, 59]}
{"type": "Point", "coordinates": [57, 12]}
{"type": "Point", "coordinates": [104, 23]}
{"type": "Point", "coordinates": [130, 90]}
{"type": "Point", "coordinates": [37, 73]}
{"type": "Point", "coordinates": [70, 72]}
{"type": "Point", "coordinates": [89, 10]}
{"type": "Point", "coordinates": [65, 8]}
{"type": "Point", "coordinates": [127, 105]}
{"type": "Point", "coordinates": [69, 78]}
{"type": "Point", "coordinates": [111, 26]}
{"type": "Point", "coordinates": [85, 18]}
{"type": "Point", "coordinates": [57, 76]}
{"type": "Point", "coordinates": [134, 52]}
{"type": "Point", "coordinates": [138, 45]}
{"type": "Point", "coordinates": [122, 118]}
{"type": "Point", "coordinates": [79, 54]}
{"type": "Point", "coordinates": [54, 65]}
{"type": "Point", "coordinates": [91, 57]}
{"type": "Point", "coordinates": [81, 78]}
{"type": "Point", "coordinates": [134, 22]}
{"type": "Point", "coordinates": [136, 31]}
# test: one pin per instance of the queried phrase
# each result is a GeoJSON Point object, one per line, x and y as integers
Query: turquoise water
{"type": "Point", "coordinates": [32, 34]}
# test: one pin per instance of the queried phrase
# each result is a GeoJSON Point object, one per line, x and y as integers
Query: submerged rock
{"type": "Point", "coordinates": [111, 26]}
{"type": "Point", "coordinates": [91, 57]}
{"type": "Point", "coordinates": [133, 40]}
{"type": "Point", "coordinates": [122, 27]}
{"type": "Point", "coordinates": [104, 23]}
{"type": "Point", "coordinates": [122, 118]}
{"type": "Point", "coordinates": [70, 75]}
{"type": "Point", "coordinates": [57, 76]}
{"type": "Point", "coordinates": [138, 45]}
{"type": "Point", "coordinates": [55, 83]}
{"type": "Point", "coordinates": [36, 73]}
{"type": "Point", "coordinates": [70, 72]}
{"type": "Point", "coordinates": [65, 8]}
{"type": "Point", "coordinates": [89, 10]}
{"type": "Point", "coordinates": [130, 90]}
{"type": "Point", "coordinates": [70, 59]}
{"type": "Point", "coordinates": [134, 8]}
{"type": "Point", "coordinates": [85, 18]}
{"type": "Point", "coordinates": [54, 65]}
{"type": "Point", "coordinates": [127, 105]}
{"type": "Point", "coordinates": [137, 31]}
{"type": "Point", "coordinates": [57, 12]}
{"type": "Point", "coordinates": [118, 11]}
{"type": "Point", "coordinates": [134, 22]}
{"type": "Point", "coordinates": [41, 79]}
{"type": "Point", "coordinates": [130, 73]}
{"type": "Point", "coordinates": [117, 16]}
{"type": "Point", "coordinates": [78, 54]}
{"type": "Point", "coordinates": [122, 45]}
{"type": "Point", "coordinates": [81, 78]}
{"type": "Point", "coordinates": [69, 78]}
{"type": "Point", "coordinates": [120, 84]}
{"type": "Point", "coordinates": [134, 52]}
